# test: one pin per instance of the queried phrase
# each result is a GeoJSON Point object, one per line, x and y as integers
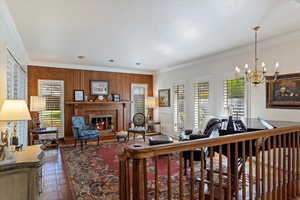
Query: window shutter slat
{"type": "Point", "coordinates": [53, 92]}
{"type": "Point", "coordinates": [179, 107]}
{"type": "Point", "coordinates": [201, 95]}
{"type": "Point", "coordinates": [234, 96]}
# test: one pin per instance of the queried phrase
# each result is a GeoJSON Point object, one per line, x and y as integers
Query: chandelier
{"type": "Point", "coordinates": [257, 75]}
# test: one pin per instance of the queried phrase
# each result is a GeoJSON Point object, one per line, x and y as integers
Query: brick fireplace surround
{"type": "Point", "coordinates": [118, 111]}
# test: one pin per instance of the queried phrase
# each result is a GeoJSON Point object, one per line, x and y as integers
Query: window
{"type": "Point", "coordinates": [201, 94]}
{"type": "Point", "coordinates": [234, 97]}
{"type": "Point", "coordinates": [178, 107]}
{"type": "Point", "coordinates": [16, 89]}
{"type": "Point", "coordinates": [138, 95]}
{"type": "Point", "coordinates": [53, 116]}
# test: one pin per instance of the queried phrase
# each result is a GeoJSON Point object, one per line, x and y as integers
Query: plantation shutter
{"type": "Point", "coordinates": [139, 95]}
{"type": "Point", "coordinates": [16, 89]}
{"type": "Point", "coordinates": [53, 115]}
{"type": "Point", "coordinates": [179, 107]}
{"type": "Point", "coordinates": [201, 94]}
{"type": "Point", "coordinates": [234, 96]}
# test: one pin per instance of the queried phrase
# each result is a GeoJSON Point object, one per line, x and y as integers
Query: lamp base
{"type": "Point", "coordinates": [14, 140]}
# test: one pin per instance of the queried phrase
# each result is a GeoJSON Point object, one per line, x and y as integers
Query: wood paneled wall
{"type": "Point", "coordinates": [74, 79]}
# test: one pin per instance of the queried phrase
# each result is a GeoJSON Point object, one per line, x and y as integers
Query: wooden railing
{"type": "Point", "coordinates": [255, 165]}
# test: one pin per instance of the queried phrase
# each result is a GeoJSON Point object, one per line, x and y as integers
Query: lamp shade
{"type": "Point", "coordinates": [150, 102]}
{"type": "Point", "coordinates": [14, 110]}
{"type": "Point", "coordinates": [37, 103]}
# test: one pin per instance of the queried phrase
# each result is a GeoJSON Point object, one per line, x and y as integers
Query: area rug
{"type": "Point", "coordinates": [93, 172]}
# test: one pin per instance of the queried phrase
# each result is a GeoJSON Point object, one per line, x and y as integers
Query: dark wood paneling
{"type": "Point", "coordinates": [119, 83]}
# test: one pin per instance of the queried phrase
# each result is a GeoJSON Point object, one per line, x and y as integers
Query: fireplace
{"type": "Point", "coordinates": [102, 122]}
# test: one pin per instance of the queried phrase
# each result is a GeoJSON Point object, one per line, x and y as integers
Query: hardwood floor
{"type": "Point", "coordinates": [54, 180]}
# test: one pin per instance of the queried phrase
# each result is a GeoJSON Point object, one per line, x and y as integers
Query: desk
{"type": "Point", "coordinates": [38, 132]}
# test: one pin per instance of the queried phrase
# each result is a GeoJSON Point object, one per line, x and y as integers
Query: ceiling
{"type": "Point", "coordinates": [155, 33]}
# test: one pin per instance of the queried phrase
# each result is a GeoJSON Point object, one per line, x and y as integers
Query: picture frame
{"type": "Point", "coordinates": [164, 98]}
{"type": "Point", "coordinates": [78, 95]}
{"type": "Point", "coordinates": [284, 92]}
{"type": "Point", "coordinates": [99, 88]}
{"type": "Point", "coordinates": [116, 97]}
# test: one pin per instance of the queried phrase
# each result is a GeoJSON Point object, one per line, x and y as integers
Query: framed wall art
{"type": "Point", "coordinates": [78, 95]}
{"type": "Point", "coordinates": [164, 98]}
{"type": "Point", "coordinates": [284, 92]}
{"type": "Point", "coordinates": [99, 87]}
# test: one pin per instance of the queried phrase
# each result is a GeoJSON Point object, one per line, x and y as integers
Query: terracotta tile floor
{"type": "Point", "coordinates": [54, 180]}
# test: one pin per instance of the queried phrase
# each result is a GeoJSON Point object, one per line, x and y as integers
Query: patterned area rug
{"type": "Point", "coordinates": [93, 173]}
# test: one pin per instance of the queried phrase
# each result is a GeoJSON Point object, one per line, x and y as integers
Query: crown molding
{"type": "Point", "coordinates": [266, 43]}
{"type": "Point", "coordinates": [88, 67]}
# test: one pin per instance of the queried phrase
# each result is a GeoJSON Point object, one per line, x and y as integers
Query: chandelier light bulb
{"type": "Point", "coordinates": [246, 66]}
{"type": "Point", "coordinates": [263, 64]}
{"type": "Point", "coordinates": [277, 66]}
{"type": "Point", "coordinates": [237, 69]}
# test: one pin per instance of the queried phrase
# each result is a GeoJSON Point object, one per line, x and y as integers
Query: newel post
{"type": "Point", "coordinates": [123, 176]}
{"type": "Point", "coordinates": [138, 179]}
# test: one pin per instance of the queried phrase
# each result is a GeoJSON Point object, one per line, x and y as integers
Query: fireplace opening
{"type": "Point", "coordinates": [102, 122]}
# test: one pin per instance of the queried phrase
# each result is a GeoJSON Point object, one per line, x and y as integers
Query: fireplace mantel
{"type": "Point", "coordinates": [95, 102]}
{"type": "Point", "coordinates": [118, 109]}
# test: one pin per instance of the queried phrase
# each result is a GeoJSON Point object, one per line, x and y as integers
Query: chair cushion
{"type": "Point", "coordinates": [87, 132]}
{"type": "Point", "coordinates": [122, 134]}
{"type": "Point", "coordinates": [88, 136]}
{"type": "Point", "coordinates": [162, 139]}
{"type": "Point", "coordinates": [137, 129]}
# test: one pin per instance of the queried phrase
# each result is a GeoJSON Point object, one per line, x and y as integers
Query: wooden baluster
{"type": "Point", "coordinates": [122, 179]}
{"type": "Point", "coordinates": [138, 179]}
{"type": "Point", "coordinates": [211, 173]}
{"type": "Point", "coordinates": [229, 195]}
{"type": "Point", "coordinates": [279, 166]}
{"type": "Point", "coordinates": [250, 171]}
{"type": "Point", "coordinates": [294, 174]}
{"type": "Point", "coordinates": [257, 169]}
{"type": "Point", "coordinates": [180, 176]}
{"type": "Point", "coordinates": [145, 179]}
{"type": "Point", "coordinates": [298, 163]}
{"type": "Point", "coordinates": [274, 193]}
{"type": "Point", "coordinates": [192, 175]}
{"type": "Point", "coordinates": [269, 189]}
{"type": "Point", "coordinates": [243, 170]}
{"type": "Point", "coordinates": [236, 167]}
{"type": "Point", "coordinates": [169, 178]}
{"type": "Point", "coordinates": [263, 169]}
{"type": "Point", "coordinates": [284, 167]}
{"type": "Point", "coordinates": [221, 196]}
{"type": "Point", "coordinates": [289, 171]}
{"type": "Point", "coordinates": [128, 188]}
{"type": "Point", "coordinates": [201, 184]}
{"type": "Point", "coordinates": [156, 178]}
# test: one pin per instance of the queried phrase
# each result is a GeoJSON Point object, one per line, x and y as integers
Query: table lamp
{"type": "Point", "coordinates": [14, 110]}
{"type": "Point", "coordinates": [150, 105]}
{"type": "Point", "coordinates": [37, 104]}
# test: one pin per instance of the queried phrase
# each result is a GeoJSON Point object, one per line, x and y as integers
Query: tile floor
{"type": "Point", "coordinates": [54, 180]}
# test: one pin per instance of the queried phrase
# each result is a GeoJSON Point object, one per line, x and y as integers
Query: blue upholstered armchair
{"type": "Point", "coordinates": [82, 131]}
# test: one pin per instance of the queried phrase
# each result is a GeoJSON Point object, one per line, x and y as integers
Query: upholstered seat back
{"type": "Point", "coordinates": [78, 122]}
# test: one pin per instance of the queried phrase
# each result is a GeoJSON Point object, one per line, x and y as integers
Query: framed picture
{"type": "Point", "coordinates": [284, 92]}
{"type": "Point", "coordinates": [164, 98]}
{"type": "Point", "coordinates": [78, 95]}
{"type": "Point", "coordinates": [99, 87]}
{"type": "Point", "coordinates": [116, 97]}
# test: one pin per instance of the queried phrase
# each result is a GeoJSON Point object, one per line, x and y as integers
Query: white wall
{"type": "Point", "coordinates": [284, 49]}
{"type": "Point", "coordinates": [9, 39]}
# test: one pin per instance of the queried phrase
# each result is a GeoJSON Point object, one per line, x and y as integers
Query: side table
{"type": "Point", "coordinates": [39, 132]}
